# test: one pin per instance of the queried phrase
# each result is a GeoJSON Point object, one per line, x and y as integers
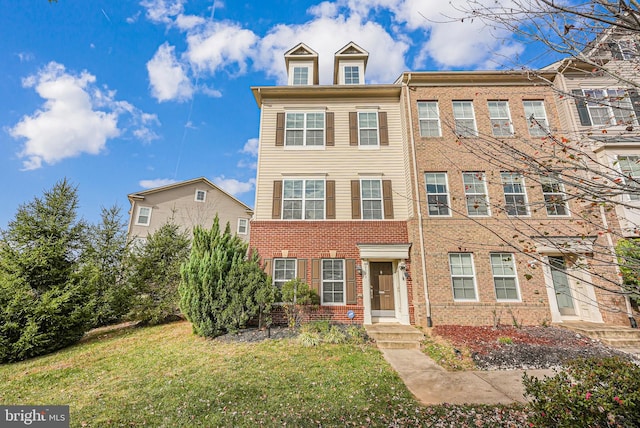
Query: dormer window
{"type": "Point", "coordinates": [351, 75]}
{"type": "Point", "coordinates": [300, 76]}
{"type": "Point", "coordinates": [349, 65]}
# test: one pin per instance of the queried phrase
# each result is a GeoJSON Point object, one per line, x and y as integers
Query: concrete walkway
{"type": "Point", "coordinates": [431, 384]}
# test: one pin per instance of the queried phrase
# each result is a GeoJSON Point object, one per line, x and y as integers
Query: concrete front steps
{"type": "Point", "coordinates": [395, 336]}
{"type": "Point", "coordinates": [623, 338]}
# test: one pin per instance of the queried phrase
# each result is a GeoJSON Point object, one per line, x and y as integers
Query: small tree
{"type": "Point", "coordinates": [105, 268]}
{"type": "Point", "coordinates": [296, 294]}
{"type": "Point", "coordinates": [42, 298]}
{"type": "Point", "coordinates": [247, 293]}
{"type": "Point", "coordinates": [202, 295]}
{"type": "Point", "coordinates": [155, 275]}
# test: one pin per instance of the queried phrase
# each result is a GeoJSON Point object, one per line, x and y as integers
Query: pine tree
{"type": "Point", "coordinates": [43, 299]}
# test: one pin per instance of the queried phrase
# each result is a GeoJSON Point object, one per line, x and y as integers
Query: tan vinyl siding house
{"type": "Point", "coordinates": [187, 203]}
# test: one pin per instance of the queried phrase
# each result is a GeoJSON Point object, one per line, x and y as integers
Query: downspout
{"type": "Point", "coordinates": [603, 216]}
{"type": "Point", "coordinates": [416, 184]}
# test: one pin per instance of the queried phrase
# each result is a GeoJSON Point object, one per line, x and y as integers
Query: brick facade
{"type": "Point", "coordinates": [327, 239]}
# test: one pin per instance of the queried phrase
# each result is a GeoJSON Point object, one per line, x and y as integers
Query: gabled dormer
{"type": "Point", "coordinates": [349, 65]}
{"type": "Point", "coordinates": [302, 65]}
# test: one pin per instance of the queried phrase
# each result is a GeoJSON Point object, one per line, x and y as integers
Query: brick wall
{"type": "Point", "coordinates": [327, 239]}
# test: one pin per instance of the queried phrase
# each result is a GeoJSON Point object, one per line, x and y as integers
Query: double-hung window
{"type": "Point", "coordinates": [368, 128]}
{"type": "Point", "coordinates": [609, 107]}
{"type": "Point", "coordinates": [371, 196]}
{"type": "Point", "coordinates": [304, 129]}
{"type": "Point", "coordinates": [465, 119]}
{"type": "Point", "coordinates": [351, 75]}
{"type": "Point", "coordinates": [462, 276]}
{"type": "Point", "coordinates": [243, 226]}
{"type": "Point", "coordinates": [555, 200]}
{"type": "Point", "coordinates": [536, 116]}
{"type": "Point", "coordinates": [283, 271]}
{"type": "Point", "coordinates": [437, 194]}
{"type": "Point", "coordinates": [333, 282]}
{"type": "Point", "coordinates": [303, 199]}
{"type": "Point", "coordinates": [144, 216]}
{"type": "Point", "coordinates": [501, 125]}
{"type": "Point", "coordinates": [504, 276]}
{"type": "Point", "coordinates": [475, 191]}
{"type": "Point", "coordinates": [429, 118]}
{"type": "Point", "coordinates": [630, 168]}
{"type": "Point", "coordinates": [515, 196]}
{"type": "Point", "coordinates": [300, 76]}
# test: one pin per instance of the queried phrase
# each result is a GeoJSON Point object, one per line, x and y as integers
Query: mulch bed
{"type": "Point", "coordinates": [529, 348]}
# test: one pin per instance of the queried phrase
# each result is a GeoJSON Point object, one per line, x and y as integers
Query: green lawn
{"type": "Point", "coordinates": [166, 376]}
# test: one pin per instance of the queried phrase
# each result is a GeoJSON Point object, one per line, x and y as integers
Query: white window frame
{"type": "Point", "coordinates": [514, 180]}
{"type": "Point", "coordinates": [138, 214]}
{"type": "Point", "coordinates": [343, 73]}
{"type": "Point", "coordinates": [434, 184]}
{"type": "Point", "coordinates": [304, 198]}
{"type": "Point", "coordinates": [279, 282]}
{"type": "Point", "coordinates": [243, 223]}
{"type": "Point", "coordinates": [628, 49]}
{"type": "Point", "coordinates": [368, 128]}
{"type": "Point", "coordinates": [557, 192]}
{"type": "Point", "coordinates": [429, 113]}
{"type": "Point", "coordinates": [471, 194]}
{"type": "Point", "coordinates": [297, 75]}
{"type": "Point", "coordinates": [462, 121]}
{"type": "Point", "coordinates": [305, 129]}
{"type": "Point", "coordinates": [198, 192]}
{"type": "Point", "coordinates": [536, 109]}
{"type": "Point", "coordinates": [615, 103]}
{"type": "Point", "coordinates": [630, 168]}
{"type": "Point", "coordinates": [499, 121]}
{"type": "Point", "coordinates": [346, 77]}
{"type": "Point", "coordinates": [370, 198]}
{"type": "Point", "coordinates": [465, 274]}
{"type": "Point", "coordinates": [503, 274]}
{"type": "Point", "coordinates": [333, 281]}
{"type": "Point", "coordinates": [300, 64]}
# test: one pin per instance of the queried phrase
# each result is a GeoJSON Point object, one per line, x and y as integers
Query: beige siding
{"type": "Point", "coordinates": [341, 163]}
{"type": "Point", "coordinates": [178, 205]}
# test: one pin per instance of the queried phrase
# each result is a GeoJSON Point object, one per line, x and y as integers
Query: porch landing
{"type": "Point", "coordinates": [625, 339]}
{"type": "Point", "coordinates": [395, 335]}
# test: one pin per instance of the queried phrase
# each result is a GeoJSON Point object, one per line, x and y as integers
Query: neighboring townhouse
{"type": "Point", "coordinates": [599, 109]}
{"type": "Point", "coordinates": [494, 241]}
{"type": "Point", "coordinates": [187, 204]}
{"type": "Point", "coordinates": [333, 188]}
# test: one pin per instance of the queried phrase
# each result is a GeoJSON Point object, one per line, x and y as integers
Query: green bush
{"type": "Point", "coordinates": [588, 393]}
{"type": "Point", "coordinates": [296, 294]}
{"type": "Point", "coordinates": [321, 326]}
{"type": "Point", "coordinates": [334, 335]}
{"type": "Point", "coordinates": [155, 275]}
{"type": "Point", "coordinates": [309, 338]}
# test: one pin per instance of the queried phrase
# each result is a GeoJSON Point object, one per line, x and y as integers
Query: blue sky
{"type": "Point", "coordinates": [120, 96]}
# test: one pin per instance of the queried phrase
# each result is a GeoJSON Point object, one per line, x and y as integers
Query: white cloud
{"type": "Point", "coordinates": [77, 117]}
{"type": "Point", "coordinates": [248, 164]}
{"type": "Point", "coordinates": [25, 56]}
{"type": "Point", "coordinates": [220, 45]}
{"type": "Point", "coordinates": [168, 78]}
{"type": "Point", "coordinates": [163, 11]}
{"type": "Point", "coordinates": [187, 22]}
{"type": "Point", "coordinates": [133, 19]}
{"type": "Point", "coordinates": [67, 125]}
{"type": "Point", "coordinates": [156, 182]}
{"type": "Point", "coordinates": [233, 186]}
{"type": "Point", "coordinates": [250, 147]}
{"type": "Point", "coordinates": [326, 34]}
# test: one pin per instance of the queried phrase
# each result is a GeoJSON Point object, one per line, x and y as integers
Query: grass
{"type": "Point", "coordinates": [443, 352]}
{"type": "Point", "coordinates": [166, 377]}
